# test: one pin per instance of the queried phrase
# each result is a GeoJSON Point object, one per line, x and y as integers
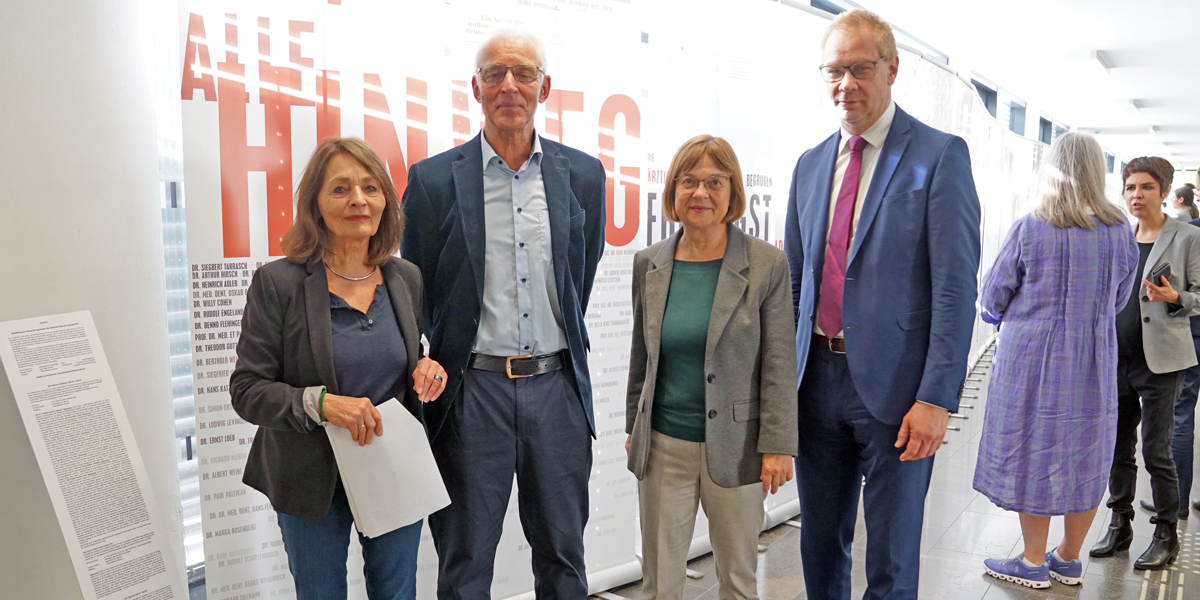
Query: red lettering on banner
{"type": "Point", "coordinates": [418, 120]}
{"type": "Point", "coordinates": [380, 131]}
{"type": "Point", "coordinates": [460, 120]}
{"type": "Point", "coordinates": [619, 104]}
{"type": "Point", "coordinates": [329, 116]}
{"type": "Point", "coordinates": [193, 50]}
{"type": "Point", "coordinates": [238, 158]}
{"type": "Point", "coordinates": [558, 102]}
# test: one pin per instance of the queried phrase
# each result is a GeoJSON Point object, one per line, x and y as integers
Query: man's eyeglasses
{"type": "Point", "coordinates": [715, 183]}
{"type": "Point", "coordinates": [859, 70]}
{"type": "Point", "coordinates": [494, 74]}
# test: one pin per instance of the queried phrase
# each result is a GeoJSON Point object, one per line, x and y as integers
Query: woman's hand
{"type": "Point", "coordinates": [1161, 293]}
{"type": "Point", "coordinates": [628, 441]}
{"type": "Point", "coordinates": [429, 380]}
{"type": "Point", "coordinates": [356, 414]}
{"type": "Point", "coordinates": [776, 471]}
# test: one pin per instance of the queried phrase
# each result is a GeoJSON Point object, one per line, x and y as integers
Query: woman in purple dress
{"type": "Point", "coordinates": [1051, 420]}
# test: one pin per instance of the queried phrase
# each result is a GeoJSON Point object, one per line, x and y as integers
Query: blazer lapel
{"type": "Point", "coordinates": [658, 285]}
{"type": "Point", "coordinates": [320, 329]}
{"type": "Point", "coordinates": [889, 158]}
{"type": "Point", "coordinates": [731, 285]}
{"type": "Point", "coordinates": [468, 182]}
{"type": "Point", "coordinates": [556, 180]}
{"type": "Point", "coordinates": [1160, 246]}
{"type": "Point", "coordinates": [402, 305]}
{"type": "Point", "coordinates": [816, 217]}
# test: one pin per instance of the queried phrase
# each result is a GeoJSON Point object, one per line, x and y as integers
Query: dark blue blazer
{"type": "Point", "coordinates": [911, 276]}
{"type": "Point", "coordinates": [444, 235]}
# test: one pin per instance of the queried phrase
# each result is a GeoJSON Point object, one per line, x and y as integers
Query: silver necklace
{"type": "Point", "coordinates": [367, 276]}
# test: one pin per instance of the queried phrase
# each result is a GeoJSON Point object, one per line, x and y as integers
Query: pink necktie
{"type": "Point", "coordinates": [833, 276]}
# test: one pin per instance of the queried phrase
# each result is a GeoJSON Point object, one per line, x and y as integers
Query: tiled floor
{"type": "Point", "coordinates": [962, 528]}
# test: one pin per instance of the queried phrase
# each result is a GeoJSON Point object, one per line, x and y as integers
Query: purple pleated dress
{"type": "Point", "coordinates": [1051, 418]}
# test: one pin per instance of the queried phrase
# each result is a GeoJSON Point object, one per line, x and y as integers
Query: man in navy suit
{"type": "Point", "coordinates": [507, 230]}
{"type": "Point", "coordinates": [883, 243]}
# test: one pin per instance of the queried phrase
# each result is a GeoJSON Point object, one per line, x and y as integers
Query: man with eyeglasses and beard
{"type": "Point", "coordinates": [882, 237]}
{"type": "Point", "coordinates": [508, 230]}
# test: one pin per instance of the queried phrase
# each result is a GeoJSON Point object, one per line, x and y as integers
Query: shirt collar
{"type": "Point", "coordinates": [876, 134]}
{"type": "Point", "coordinates": [535, 152]}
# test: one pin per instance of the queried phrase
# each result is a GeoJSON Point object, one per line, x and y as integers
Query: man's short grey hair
{"type": "Point", "coordinates": [512, 35]}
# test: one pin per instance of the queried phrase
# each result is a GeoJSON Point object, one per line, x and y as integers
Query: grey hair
{"type": "Point", "coordinates": [1072, 184]}
{"type": "Point", "coordinates": [530, 41]}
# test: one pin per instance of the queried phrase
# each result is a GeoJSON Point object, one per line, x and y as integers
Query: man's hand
{"type": "Point", "coordinates": [429, 380]}
{"type": "Point", "coordinates": [776, 471]}
{"type": "Point", "coordinates": [1161, 293]}
{"type": "Point", "coordinates": [922, 431]}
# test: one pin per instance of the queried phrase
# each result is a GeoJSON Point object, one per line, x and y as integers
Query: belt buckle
{"type": "Point", "coordinates": [508, 366]}
{"type": "Point", "coordinates": [829, 345]}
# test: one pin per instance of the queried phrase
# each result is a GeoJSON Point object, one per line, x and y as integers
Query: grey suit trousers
{"type": "Point", "coordinates": [676, 480]}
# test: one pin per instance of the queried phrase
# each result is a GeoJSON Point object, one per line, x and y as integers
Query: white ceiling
{"type": "Point", "coordinates": [1039, 50]}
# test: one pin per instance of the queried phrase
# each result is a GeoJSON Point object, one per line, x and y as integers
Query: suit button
{"type": "Point", "coordinates": [712, 378]}
{"type": "Point", "coordinates": [475, 322]}
{"type": "Point", "coordinates": [712, 414]}
{"type": "Point", "coordinates": [1145, 319]}
{"type": "Point", "coordinates": [1145, 298]}
{"type": "Point", "coordinates": [461, 372]}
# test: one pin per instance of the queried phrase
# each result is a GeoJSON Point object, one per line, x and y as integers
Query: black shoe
{"type": "Point", "coordinates": [1118, 537]}
{"type": "Point", "coordinates": [1162, 551]}
{"type": "Point", "coordinates": [1183, 511]}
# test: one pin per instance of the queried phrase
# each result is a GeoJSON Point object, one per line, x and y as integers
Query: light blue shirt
{"type": "Point", "coordinates": [520, 313]}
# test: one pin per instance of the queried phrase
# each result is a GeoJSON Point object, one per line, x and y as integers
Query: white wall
{"type": "Point", "coordinates": [80, 229]}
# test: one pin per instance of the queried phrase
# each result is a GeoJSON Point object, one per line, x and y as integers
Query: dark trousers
{"type": "Point", "coordinates": [317, 550]}
{"type": "Point", "coordinates": [1149, 398]}
{"type": "Point", "coordinates": [534, 427]}
{"type": "Point", "coordinates": [840, 444]}
{"type": "Point", "coordinates": [1185, 430]}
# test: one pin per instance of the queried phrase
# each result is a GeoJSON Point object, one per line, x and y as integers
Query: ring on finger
{"type": "Point", "coordinates": [438, 378]}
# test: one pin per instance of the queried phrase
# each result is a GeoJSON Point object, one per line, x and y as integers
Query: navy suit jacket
{"type": "Point", "coordinates": [909, 302]}
{"type": "Point", "coordinates": [444, 235]}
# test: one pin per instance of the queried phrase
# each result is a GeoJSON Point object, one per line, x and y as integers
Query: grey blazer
{"type": "Point", "coordinates": [1166, 333]}
{"type": "Point", "coordinates": [750, 358]}
{"type": "Point", "coordinates": [286, 346]}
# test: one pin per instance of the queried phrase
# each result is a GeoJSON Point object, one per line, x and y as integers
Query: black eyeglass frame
{"type": "Point", "coordinates": [848, 69]}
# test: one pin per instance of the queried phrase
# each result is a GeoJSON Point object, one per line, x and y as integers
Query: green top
{"type": "Point", "coordinates": [679, 389]}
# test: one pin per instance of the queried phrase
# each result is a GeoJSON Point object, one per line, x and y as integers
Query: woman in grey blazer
{"type": "Point", "coordinates": [327, 335]}
{"type": "Point", "coordinates": [711, 405]}
{"type": "Point", "coordinates": [1154, 347]}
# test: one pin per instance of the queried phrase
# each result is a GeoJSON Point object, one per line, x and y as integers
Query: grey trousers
{"type": "Point", "coordinates": [676, 480]}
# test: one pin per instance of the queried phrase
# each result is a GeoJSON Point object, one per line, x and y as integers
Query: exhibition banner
{"type": "Point", "coordinates": [264, 81]}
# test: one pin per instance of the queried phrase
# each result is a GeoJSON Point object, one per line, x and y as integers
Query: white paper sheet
{"type": "Point", "coordinates": [87, 454]}
{"type": "Point", "coordinates": [393, 481]}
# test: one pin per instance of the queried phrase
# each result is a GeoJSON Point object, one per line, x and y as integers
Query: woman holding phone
{"type": "Point", "coordinates": [1154, 347]}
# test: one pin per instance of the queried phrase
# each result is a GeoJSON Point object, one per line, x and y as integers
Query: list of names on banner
{"type": "Point", "coordinates": [241, 539]}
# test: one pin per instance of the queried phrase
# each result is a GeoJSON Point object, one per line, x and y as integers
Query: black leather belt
{"type": "Point", "coordinates": [519, 366]}
{"type": "Point", "coordinates": [837, 345]}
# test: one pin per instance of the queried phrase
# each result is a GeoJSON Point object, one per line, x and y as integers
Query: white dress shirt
{"type": "Point", "coordinates": [521, 314]}
{"type": "Point", "coordinates": [875, 135]}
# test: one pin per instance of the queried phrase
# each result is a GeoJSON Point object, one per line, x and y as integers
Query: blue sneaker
{"type": "Point", "coordinates": [1069, 572]}
{"type": "Point", "coordinates": [1014, 570]}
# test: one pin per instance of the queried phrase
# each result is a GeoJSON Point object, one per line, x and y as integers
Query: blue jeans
{"type": "Point", "coordinates": [317, 553]}
{"type": "Point", "coordinates": [1185, 429]}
